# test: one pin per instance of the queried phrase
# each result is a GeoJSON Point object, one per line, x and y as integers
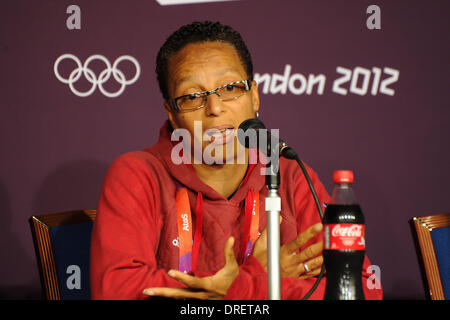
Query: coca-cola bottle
{"type": "Point", "coordinates": [344, 243]}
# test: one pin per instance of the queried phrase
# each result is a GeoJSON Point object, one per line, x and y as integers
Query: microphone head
{"type": "Point", "coordinates": [248, 132]}
{"type": "Point", "coordinates": [248, 136]}
{"type": "Point", "coordinates": [253, 123]}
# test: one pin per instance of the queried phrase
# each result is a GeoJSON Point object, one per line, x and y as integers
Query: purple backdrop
{"type": "Point", "coordinates": [382, 110]}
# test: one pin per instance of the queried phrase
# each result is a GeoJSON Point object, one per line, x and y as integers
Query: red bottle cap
{"type": "Point", "coordinates": [343, 176]}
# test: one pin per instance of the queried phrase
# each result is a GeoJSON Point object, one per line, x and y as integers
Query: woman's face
{"type": "Point", "coordinates": [202, 67]}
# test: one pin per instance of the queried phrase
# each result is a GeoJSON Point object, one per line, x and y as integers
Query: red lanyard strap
{"type": "Point", "coordinates": [198, 230]}
{"type": "Point", "coordinates": [189, 249]}
{"type": "Point", "coordinates": [251, 224]}
{"type": "Point", "coordinates": [184, 223]}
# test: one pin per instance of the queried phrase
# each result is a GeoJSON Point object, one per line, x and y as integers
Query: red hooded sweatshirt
{"type": "Point", "coordinates": [134, 238]}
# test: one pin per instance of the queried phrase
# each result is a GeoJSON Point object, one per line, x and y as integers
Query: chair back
{"type": "Point", "coordinates": [432, 234]}
{"type": "Point", "coordinates": [62, 243]}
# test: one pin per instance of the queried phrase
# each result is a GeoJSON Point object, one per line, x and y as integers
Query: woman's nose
{"type": "Point", "coordinates": [214, 105]}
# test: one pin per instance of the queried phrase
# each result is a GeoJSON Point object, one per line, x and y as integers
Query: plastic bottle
{"type": "Point", "coordinates": [344, 242]}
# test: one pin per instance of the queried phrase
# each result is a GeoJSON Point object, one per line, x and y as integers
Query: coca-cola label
{"type": "Point", "coordinates": [344, 236]}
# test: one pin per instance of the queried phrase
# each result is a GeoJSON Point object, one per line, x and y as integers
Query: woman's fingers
{"type": "Point", "coordinates": [313, 273]}
{"type": "Point", "coordinates": [309, 253]}
{"type": "Point", "coordinates": [230, 258]}
{"type": "Point", "coordinates": [303, 238]}
{"type": "Point", "coordinates": [312, 264]}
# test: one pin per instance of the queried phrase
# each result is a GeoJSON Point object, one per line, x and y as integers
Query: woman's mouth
{"type": "Point", "coordinates": [221, 135]}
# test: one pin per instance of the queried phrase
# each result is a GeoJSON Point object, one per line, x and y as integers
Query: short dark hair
{"type": "Point", "coordinates": [195, 32]}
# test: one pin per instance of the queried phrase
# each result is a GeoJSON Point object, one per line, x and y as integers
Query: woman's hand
{"type": "Point", "coordinates": [212, 288]}
{"type": "Point", "coordinates": [292, 264]}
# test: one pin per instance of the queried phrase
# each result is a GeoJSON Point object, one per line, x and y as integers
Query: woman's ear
{"type": "Point", "coordinates": [170, 115]}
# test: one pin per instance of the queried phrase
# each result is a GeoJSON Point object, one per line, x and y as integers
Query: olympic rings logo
{"type": "Point", "coordinates": [103, 76]}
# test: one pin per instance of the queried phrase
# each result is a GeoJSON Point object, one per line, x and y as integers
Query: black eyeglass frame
{"type": "Point", "coordinates": [174, 104]}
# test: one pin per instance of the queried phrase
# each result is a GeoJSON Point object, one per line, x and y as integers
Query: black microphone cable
{"type": "Point", "coordinates": [290, 153]}
{"type": "Point", "coordinates": [319, 207]}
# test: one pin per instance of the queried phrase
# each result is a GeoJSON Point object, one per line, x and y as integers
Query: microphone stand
{"type": "Point", "coordinates": [273, 208]}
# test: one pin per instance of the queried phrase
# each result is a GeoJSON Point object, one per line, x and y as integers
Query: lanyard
{"type": "Point", "coordinates": [251, 224]}
{"type": "Point", "coordinates": [188, 248]}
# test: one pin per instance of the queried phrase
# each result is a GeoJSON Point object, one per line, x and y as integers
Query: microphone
{"type": "Point", "coordinates": [244, 137]}
{"type": "Point", "coordinates": [249, 129]}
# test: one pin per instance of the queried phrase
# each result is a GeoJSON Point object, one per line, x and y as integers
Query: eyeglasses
{"type": "Point", "coordinates": [197, 100]}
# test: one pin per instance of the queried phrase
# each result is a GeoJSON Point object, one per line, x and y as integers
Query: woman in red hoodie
{"type": "Point", "coordinates": [172, 222]}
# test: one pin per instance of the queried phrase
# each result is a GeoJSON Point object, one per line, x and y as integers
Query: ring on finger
{"type": "Point", "coordinates": [307, 270]}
